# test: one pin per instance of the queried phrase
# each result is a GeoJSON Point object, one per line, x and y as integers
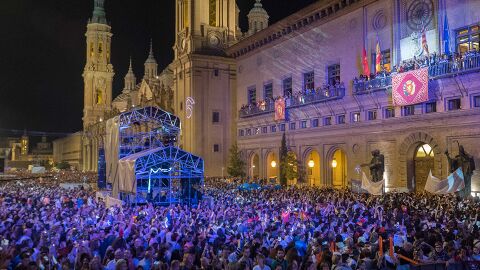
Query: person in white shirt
{"type": "Point", "coordinates": [261, 263]}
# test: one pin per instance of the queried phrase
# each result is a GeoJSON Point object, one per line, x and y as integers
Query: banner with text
{"type": "Point", "coordinates": [410, 87]}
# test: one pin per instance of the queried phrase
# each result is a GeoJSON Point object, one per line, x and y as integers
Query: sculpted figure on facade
{"type": "Point", "coordinates": [467, 163]}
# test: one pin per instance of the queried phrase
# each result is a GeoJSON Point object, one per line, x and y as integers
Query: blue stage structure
{"type": "Point", "coordinates": [143, 162]}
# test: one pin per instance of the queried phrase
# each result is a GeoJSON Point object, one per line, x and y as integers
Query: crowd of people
{"type": "Point", "coordinates": [301, 97]}
{"type": "Point", "coordinates": [62, 176]}
{"type": "Point", "coordinates": [438, 64]}
{"type": "Point", "coordinates": [43, 226]}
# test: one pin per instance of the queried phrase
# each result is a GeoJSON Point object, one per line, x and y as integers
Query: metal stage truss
{"type": "Point", "coordinates": [169, 175]}
{"type": "Point", "coordinates": [144, 163]}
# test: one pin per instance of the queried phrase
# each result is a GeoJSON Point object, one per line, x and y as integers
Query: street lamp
{"type": "Point", "coordinates": [334, 163]}
{"type": "Point", "coordinates": [311, 163]}
{"type": "Point", "coordinates": [273, 164]}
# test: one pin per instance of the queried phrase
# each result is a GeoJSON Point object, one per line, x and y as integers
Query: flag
{"type": "Point", "coordinates": [454, 182]}
{"type": "Point", "coordinates": [366, 69]}
{"type": "Point", "coordinates": [424, 40]}
{"type": "Point", "coordinates": [378, 57]}
{"type": "Point", "coordinates": [446, 36]}
{"type": "Point", "coordinates": [410, 87]}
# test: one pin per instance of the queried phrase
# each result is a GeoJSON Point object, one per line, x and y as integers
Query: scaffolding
{"type": "Point", "coordinates": [143, 162]}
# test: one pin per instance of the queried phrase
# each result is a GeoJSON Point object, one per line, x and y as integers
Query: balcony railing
{"type": "Point", "coordinates": [443, 67]}
{"type": "Point", "coordinates": [303, 99]}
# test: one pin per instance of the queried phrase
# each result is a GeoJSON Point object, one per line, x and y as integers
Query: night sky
{"type": "Point", "coordinates": [43, 53]}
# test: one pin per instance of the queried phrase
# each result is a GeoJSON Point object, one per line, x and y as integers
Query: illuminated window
{"type": "Point", "coordinates": [308, 81]}
{"type": "Point", "coordinates": [333, 74]}
{"type": "Point", "coordinates": [213, 12]}
{"type": "Point", "coordinates": [249, 132]}
{"type": "Point", "coordinates": [356, 117]}
{"type": "Point", "coordinates": [108, 55]}
{"type": "Point", "coordinates": [91, 49]}
{"type": "Point", "coordinates": [425, 151]}
{"type": "Point", "coordinates": [185, 14]}
{"type": "Point", "coordinates": [273, 128]}
{"type": "Point", "coordinates": [468, 38]}
{"type": "Point", "coordinates": [268, 91]}
{"type": "Point", "coordinates": [287, 86]}
{"type": "Point", "coordinates": [99, 96]}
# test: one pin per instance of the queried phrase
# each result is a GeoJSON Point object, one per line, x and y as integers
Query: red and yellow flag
{"type": "Point", "coordinates": [378, 58]}
{"type": "Point", "coordinates": [366, 69]}
{"type": "Point", "coordinates": [424, 40]}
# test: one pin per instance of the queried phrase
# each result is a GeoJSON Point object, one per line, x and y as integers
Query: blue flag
{"type": "Point", "coordinates": [446, 36]}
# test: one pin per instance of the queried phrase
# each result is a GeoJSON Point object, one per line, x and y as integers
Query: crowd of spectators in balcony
{"type": "Point", "coordinates": [301, 97]}
{"type": "Point", "coordinates": [445, 64]}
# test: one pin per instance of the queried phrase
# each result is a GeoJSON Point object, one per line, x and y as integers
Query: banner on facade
{"type": "Point", "coordinates": [410, 87]}
{"type": "Point", "coordinates": [454, 182]}
{"type": "Point", "coordinates": [374, 188]}
{"type": "Point", "coordinates": [279, 109]}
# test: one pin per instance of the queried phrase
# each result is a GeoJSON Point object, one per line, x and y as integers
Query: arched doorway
{"type": "Point", "coordinates": [338, 163]}
{"type": "Point", "coordinates": [312, 165]}
{"type": "Point", "coordinates": [423, 163]}
{"type": "Point", "coordinates": [272, 167]}
{"type": "Point", "coordinates": [255, 166]}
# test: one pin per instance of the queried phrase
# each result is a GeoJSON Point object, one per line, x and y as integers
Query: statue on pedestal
{"type": "Point", "coordinates": [466, 162]}
{"type": "Point", "coordinates": [376, 165]}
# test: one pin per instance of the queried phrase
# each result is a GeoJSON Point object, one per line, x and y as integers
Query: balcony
{"type": "Point", "coordinates": [444, 67]}
{"type": "Point", "coordinates": [301, 99]}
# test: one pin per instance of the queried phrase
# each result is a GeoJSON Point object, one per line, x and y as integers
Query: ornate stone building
{"type": "Point", "coordinates": [223, 83]}
{"type": "Point", "coordinates": [333, 131]}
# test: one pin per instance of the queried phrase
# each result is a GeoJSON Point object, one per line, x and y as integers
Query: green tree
{"type": "Point", "coordinates": [283, 161]}
{"type": "Point", "coordinates": [236, 165]}
{"type": "Point", "coordinates": [291, 168]}
{"type": "Point", "coordinates": [64, 165]}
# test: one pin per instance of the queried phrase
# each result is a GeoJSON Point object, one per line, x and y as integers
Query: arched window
{"type": "Point", "coordinates": [213, 12]}
{"type": "Point", "coordinates": [424, 151]}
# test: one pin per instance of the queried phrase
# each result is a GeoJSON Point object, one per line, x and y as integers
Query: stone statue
{"type": "Point", "coordinates": [376, 165]}
{"type": "Point", "coordinates": [467, 163]}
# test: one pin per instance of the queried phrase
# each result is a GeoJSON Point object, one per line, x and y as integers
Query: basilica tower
{"type": "Point", "coordinates": [98, 72]}
{"type": "Point", "coordinates": [204, 79]}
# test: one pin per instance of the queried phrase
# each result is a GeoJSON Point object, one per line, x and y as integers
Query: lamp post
{"type": "Point", "coordinates": [273, 164]}
{"type": "Point", "coordinates": [334, 165]}
{"type": "Point", "coordinates": [311, 164]}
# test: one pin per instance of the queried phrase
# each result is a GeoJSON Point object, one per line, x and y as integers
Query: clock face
{"type": "Point", "coordinates": [214, 40]}
{"type": "Point", "coordinates": [419, 14]}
